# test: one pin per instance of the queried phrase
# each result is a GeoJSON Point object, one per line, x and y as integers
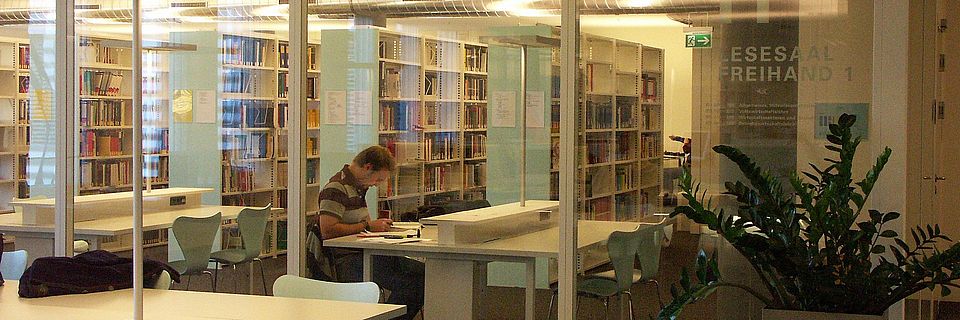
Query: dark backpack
{"type": "Point", "coordinates": [1, 256]}
{"type": "Point", "coordinates": [443, 208]}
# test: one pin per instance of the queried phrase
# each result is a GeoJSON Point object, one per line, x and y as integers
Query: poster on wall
{"type": "Point", "coordinates": [182, 106]}
{"type": "Point", "coordinates": [335, 109]}
{"type": "Point", "coordinates": [504, 109]}
{"type": "Point", "coordinates": [827, 113]}
{"type": "Point", "coordinates": [359, 106]}
{"type": "Point", "coordinates": [205, 107]}
{"type": "Point", "coordinates": [535, 116]}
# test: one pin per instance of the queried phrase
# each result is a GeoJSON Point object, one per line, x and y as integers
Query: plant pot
{"type": "Point", "coordinates": [775, 314]}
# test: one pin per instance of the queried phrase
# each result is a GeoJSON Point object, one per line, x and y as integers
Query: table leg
{"type": "Point", "coordinates": [531, 289]}
{"type": "Point", "coordinates": [450, 289]}
{"type": "Point", "coordinates": [367, 266]}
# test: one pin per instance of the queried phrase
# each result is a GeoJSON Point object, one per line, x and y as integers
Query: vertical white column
{"type": "Point", "coordinates": [523, 125]}
{"type": "Point", "coordinates": [137, 167]}
{"type": "Point", "coordinates": [297, 134]}
{"type": "Point", "coordinates": [569, 57]}
{"type": "Point", "coordinates": [64, 109]}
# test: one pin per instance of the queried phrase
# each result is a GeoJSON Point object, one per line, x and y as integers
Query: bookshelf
{"type": "Point", "coordinates": [249, 73]}
{"type": "Point", "coordinates": [428, 106]}
{"type": "Point", "coordinates": [620, 122]}
{"type": "Point", "coordinates": [14, 118]}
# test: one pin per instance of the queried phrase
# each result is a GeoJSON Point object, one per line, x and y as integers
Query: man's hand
{"type": "Point", "coordinates": [380, 225]}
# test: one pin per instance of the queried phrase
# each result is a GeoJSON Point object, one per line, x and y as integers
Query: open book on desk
{"type": "Point", "coordinates": [404, 233]}
{"type": "Point", "coordinates": [393, 241]}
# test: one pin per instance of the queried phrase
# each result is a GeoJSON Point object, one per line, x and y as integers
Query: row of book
{"type": "Point", "coordinates": [95, 113]}
{"type": "Point", "coordinates": [440, 146]}
{"type": "Point", "coordinates": [100, 83]}
{"type": "Point", "coordinates": [475, 88]}
{"type": "Point", "coordinates": [436, 177]}
{"type": "Point", "coordinates": [626, 145]}
{"type": "Point", "coordinates": [239, 178]}
{"type": "Point", "coordinates": [475, 58]}
{"type": "Point", "coordinates": [650, 146]}
{"type": "Point", "coordinates": [153, 85]}
{"type": "Point", "coordinates": [23, 85]}
{"type": "Point", "coordinates": [401, 48]}
{"type": "Point", "coordinates": [431, 55]}
{"type": "Point", "coordinates": [390, 81]}
{"type": "Point", "coordinates": [23, 111]}
{"type": "Point", "coordinates": [599, 115]}
{"type": "Point", "coordinates": [626, 205]}
{"type": "Point", "coordinates": [156, 141]}
{"type": "Point", "coordinates": [247, 114]}
{"type": "Point", "coordinates": [24, 162]}
{"type": "Point", "coordinates": [650, 118]}
{"type": "Point", "coordinates": [441, 115]}
{"type": "Point", "coordinates": [598, 209]}
{"type": "Point", "coordinates": [244, 51]}
{"type": "Point", "coordinates": [102, 174]}
{"type": "Point", "coordinates": [313, 117]}
{"type": "Point", "coordinates": [475, 116]}
{"type": "Point", "coordinates": [92, 51]}
{"type": "Point", "coordinates": [239, 80]}
{"type": "Point", "coordinates": [476, 145]}
{"type": "Point", "coordinates": [597, 151]}
{"type": "Point", "coordinates": [397, 116]}
{"type": "Point", "coordinates": [283, 86]}
{"type": "Point", "coordinates": [251, 145]}
{"type": "Point", "coordinates": [440, 85]}
{"type": "Point", "coordinates": [157, 169]}
{"type": "Point", "coordinates": [625, 113]}
{"type": "Point", "coordinates": [284, 56]}
{"type": "Point", "coordinates": [475, 175]}
{"type": "Point", "coordinates": [310, 173]}
{"type": "Point", "coordinates": [649, 93]}
{"type": "Point", "coordinates": [625, 177]}
{"type": "Point", "coordinates": [23, 55]}
{"type": "Point", "coordinates": [403, 151]}
{"type": "Point", "coordinates": [97, 143]}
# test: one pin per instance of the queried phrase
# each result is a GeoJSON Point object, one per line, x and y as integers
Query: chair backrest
{"type": "Point", "coordinates": [650, 240]}
{"type": "Point", "coordinates": [163, 281]}
{"type": "Point", "coordinates": [13, 264]}
{"type": "Point", "coordinates": [297, 287]}
{"type": "Point", "coordinates": [253, 227]}
{"type": "Point", "coordinates": [195, 236]}
{"type": "Point", "coordinates": [622, 249]}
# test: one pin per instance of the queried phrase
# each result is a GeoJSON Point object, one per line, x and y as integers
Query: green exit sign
{"type": "Point", "coordinates": [699, 40]}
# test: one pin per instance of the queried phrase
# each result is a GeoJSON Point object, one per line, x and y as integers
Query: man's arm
{"type": "Point", "coordinates": [331, 227]}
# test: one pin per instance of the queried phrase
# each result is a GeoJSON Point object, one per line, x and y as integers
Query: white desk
{"type": "Point", "coordinates": [452, 272]}
{"type": "Point", "coordinates": [38, 239]}
{"type": "Point", "coordinates": [167, 305]}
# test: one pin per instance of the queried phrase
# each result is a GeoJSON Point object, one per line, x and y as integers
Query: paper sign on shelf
{"type": "Point", "coordinates": [205, 107]}
{"type": "Point", "coordinates": [504, 106]}
{"type": "Point", "coordinates": [359, 106]}
{"type": "Point", "coordinates": [335, 111]}
{"type": "Point", "coordinates": [183, 105]}
{"type": "Point", "coordinates": [535, 117]}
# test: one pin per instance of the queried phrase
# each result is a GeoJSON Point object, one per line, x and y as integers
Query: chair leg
{"type": "Point", "coordinates": [213, 282]}
{"type": "Point", "coordinates": [553, 299]}
{"type": "Point", "coordinates": [606, 308]}
{"type": "Point", "coordinates": [189, 277]}
{"type": "Point", "coordinates": [629, 304]}
{"type": "Point", "coordinates": [263, 278]}
{"type": "Point", "coordinates": [250, 276]}
{"type": "Point", "coordinates": [659, 299]}
{"type": "Point", "coordinates": [216, 275]}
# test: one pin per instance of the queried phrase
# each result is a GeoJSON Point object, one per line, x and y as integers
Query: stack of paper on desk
{"type": "Point", "coordinates": [392, 241]}
{"type": "Point", "coordinates": [404, 233]}
{"type": "Point", "coordinates": [406, 225]}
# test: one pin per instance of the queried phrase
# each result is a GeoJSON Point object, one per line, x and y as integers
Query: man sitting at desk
{"type": "Point", "coordinates": [343, 211]}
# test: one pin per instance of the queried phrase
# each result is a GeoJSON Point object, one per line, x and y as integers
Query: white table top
{"type": "Point", "coordinates": [128, 195]}
{"type": "Point", "coordinates": [543, 243]}
{"type": "Point", "coordinates": [169, 304]}
{"type": "Point", "coordinates": [121, 225]}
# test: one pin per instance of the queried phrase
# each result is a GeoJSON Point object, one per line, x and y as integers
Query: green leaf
{"type": "Point", "coordinates": [888, 234]}
{"type": "Point", "coordinates": [877, 249]}
{"type": "Point", "coordinates": [944, 291]}
{"type": "Point", "coordinates": [890, 216]}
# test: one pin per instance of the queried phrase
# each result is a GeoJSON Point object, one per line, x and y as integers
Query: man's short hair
{"type": "Point", "coordinates": [378, 157]}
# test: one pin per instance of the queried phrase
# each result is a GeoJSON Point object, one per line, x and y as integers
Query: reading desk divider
{"type": "Point", "coordinates": [102, 206]}
{"type": "Point", "coordinates": [496, 222]}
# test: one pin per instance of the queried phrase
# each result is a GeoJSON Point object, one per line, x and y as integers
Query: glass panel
{"type": "Point", "coordinates": [29, 111]}
{"type": "Point", "coordinates": [215, 105]}
{"type": "Point", "coordinates": [443, 95]}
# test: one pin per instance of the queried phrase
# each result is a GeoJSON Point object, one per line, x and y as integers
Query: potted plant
{"type": "Point", "coordinates": [815, 248]}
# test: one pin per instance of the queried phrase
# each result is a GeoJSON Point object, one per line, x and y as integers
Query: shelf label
{"type": "Point", "coordinates": [699, 40]}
